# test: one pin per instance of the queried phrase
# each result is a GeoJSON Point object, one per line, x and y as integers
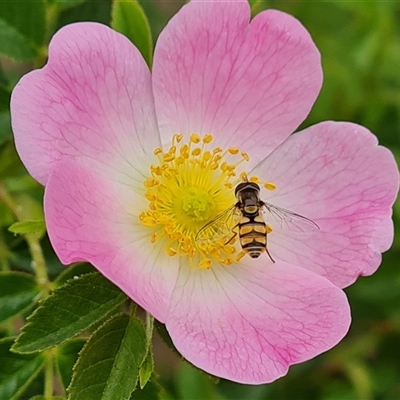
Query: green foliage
{"type": "Point", "coordinates": [37, 227]}
{"type": "Point", "coordinates": [66, 357]}
{"type": "Point", "coordinates": [22, 28]}
{"type": "Point", "coordinates": [17, 292]}
{"type": "Point", "coordinates": [129, 18]}
{"type": "Point", "coordinates": [69, 310]}
{"type": "Point", "coordinates": [108, 366]}
{"type": "Point", "coordinates": [17, 370]}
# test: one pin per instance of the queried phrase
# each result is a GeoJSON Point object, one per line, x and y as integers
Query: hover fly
{"type": "Point", "coordinates": [245, 218]}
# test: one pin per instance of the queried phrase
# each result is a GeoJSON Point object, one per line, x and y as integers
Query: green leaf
{"type": "Point", "coordinates": [28, 17]}
{"type": "Point", "coordinates": [5, 126]}
{"type": "Point", "coordinates": [17, 292]}
{"type": "Point", "coordinates": [29, 227]}
{"type": "Point", "coordinates": [65, 4]}
{"type": "Point", "coordinates": [10, 162]}
{"type": "Point", "coordinates": [17, 370]}
{"type": "Point", "coordinates": [68, 311]}
{"type": "Point", "coordinates": [66, 357]}
{"type": "Point", "coordinates": [128, 18]}
{"type": "Point", "coordinates": [195, 384]}
{"type": "Point", "coordinates": [147, 368]}
{"type": "Point", "coordinates": [40, 397]}
{"type": "Point", "coordinates": [108, 366]}
{"type": "Point", "coordinates": [13, 45]}
{"type": "Point", "coordinates": [72, 272]}
{"type": "Point", "coordinates": [152, 391]}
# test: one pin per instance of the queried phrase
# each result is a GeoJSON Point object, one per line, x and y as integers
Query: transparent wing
{"type": "Point", "coordinates": [289, 219]}
{"type": "Point", "coordinates": [221, 226]}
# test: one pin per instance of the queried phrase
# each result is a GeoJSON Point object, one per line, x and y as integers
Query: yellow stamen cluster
{"type": "Point", "coordinates": [188, 187]}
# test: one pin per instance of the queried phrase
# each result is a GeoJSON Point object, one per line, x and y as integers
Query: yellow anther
{"type": "Point", "coordinates": [269, 185]}
{"type": "Point", "coordinates": [205, 263]}
{"type": "Point", "coordinates": [188, 185]}
{"type": "Point", "coordinates": [245, 156]}
{"type": "Point", "coordinates": [233, 150]}
{"type": "Point", "coordinates": [179, 160]}
{"type": "Point", "coordinates": [151, 195]}
{"type": "Point", "coordinates": [230, 249]}
{"type": "Point", "coordinates": [207, 156]}
{"type": "Point", "coordinates": [240, 256]}
{"type": "Point", "coordinates": [268, 228]}
{"type": "Point", "coordinates": [150, 182]}
{"type": "Point", "coordinates": [243, 177]}
{"type": "Point", "coordinates": [149, 221]}
{"type": "Point", "coordinates": [254, 179]}
{"type": "Point", "coordinates": [207, 138]}
{"type": "Point", "coordinates": [171, 252]}
{"type": "Point", "coordinates": [169, 157]}
{"type": "Point", "coordinates": [177, 138]}
{"type": "Point", "coordinates": [217, 158]}
{"type": "Point", "coordinates": [195, 138]}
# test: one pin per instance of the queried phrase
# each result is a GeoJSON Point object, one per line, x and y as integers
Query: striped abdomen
{"type": "Point", "coordinates": [253, 235]}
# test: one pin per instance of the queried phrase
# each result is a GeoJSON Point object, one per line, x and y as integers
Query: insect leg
{"type": "Point", "coordinates": [266, 250]}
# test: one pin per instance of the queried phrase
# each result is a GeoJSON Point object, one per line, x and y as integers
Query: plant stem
{"type": "Point", "coordinates": [149, 326]}
{"type": "Point", "coordinates": [49, 375]}
{"type": "Point", "coordinates": [35, 249]}
{"type": "Point", "coordinates": [39, 266]}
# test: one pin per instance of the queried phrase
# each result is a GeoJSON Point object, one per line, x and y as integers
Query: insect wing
{"type": "Point", "coordinates": [291, 220]}
{"type": "Point", "coordinates": [221, 226]}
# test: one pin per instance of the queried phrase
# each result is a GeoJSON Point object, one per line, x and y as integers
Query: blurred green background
{"type": "Point", "coordinates": [360, 46]}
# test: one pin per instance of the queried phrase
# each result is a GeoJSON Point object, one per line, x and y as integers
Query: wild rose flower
{"type": "Point", "coordinates": [135, 164]}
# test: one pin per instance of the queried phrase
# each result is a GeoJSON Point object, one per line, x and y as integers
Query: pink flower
{"type": "Point", "coordinates": [135, 164]}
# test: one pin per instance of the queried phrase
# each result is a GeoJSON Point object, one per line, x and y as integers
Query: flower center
{"type": "Point", "coordinates": [191, 184]}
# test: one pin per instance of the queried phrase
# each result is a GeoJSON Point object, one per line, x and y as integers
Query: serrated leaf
{"type": "Point", "coordinates": [66, 357]}
{"type": "Point", "coordinates": [73, 272]}
{"type": "Point", "coordinates": [128, 18]}
{"type": "Point", "coordinates": [68, 311]}
{"type": "Point", "coordinates": [37, 227]}
{"type": "Point", "coordinates": [17, 292]}
{"type": "Point", "coordinates": [108, 366]}
{"type": "Point", "coordinates": [17, 370]}
{"type": "Point", "coordinates": [146, 369]}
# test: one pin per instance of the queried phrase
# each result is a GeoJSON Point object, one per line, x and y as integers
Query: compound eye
{"type": "Point", "coordinates": [240, 187]}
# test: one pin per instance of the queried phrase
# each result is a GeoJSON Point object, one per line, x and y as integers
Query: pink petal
{"type": "Point", "coordinates": [92, 101]}
{"type": "Point", "coordinates": [335, 174]}
{"type": "Point", "coordinates": [93, 219]}
{"type": "Point", "coordinates": [250, 85]}
{"type": "Point", "coordinates": [250, 322]}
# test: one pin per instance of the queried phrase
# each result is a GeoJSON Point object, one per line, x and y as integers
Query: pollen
{"type": "Point", "coordinates": [190, 185]}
